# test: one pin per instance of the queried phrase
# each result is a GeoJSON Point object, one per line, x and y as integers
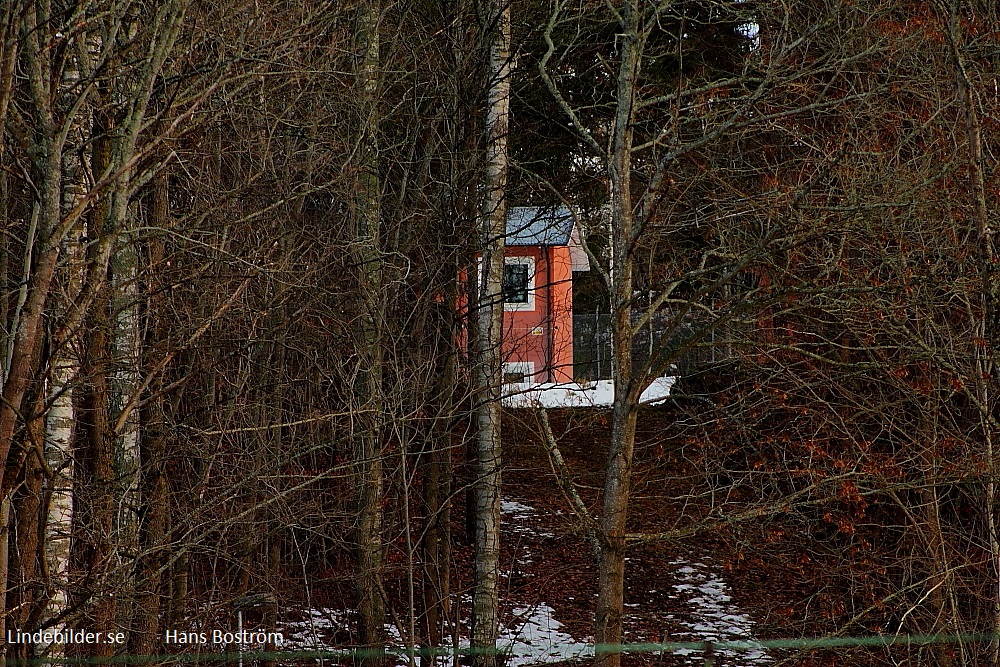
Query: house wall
{"type": "Point", "coordinates": [543, 334]}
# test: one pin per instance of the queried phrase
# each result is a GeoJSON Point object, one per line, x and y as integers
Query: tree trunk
{"type": "Point", "coordinates": [153, 439]}
{"type": "Point", "coordinates": [985, 327]}
{"type": "Point", "coordinates": [25, 590]}
{"type": "Point", "coordinates": [488, 360]}
{"type": "Point", "coordinates": [177, 612]}
{"type": "Point", "coordinates": [938, 581]}
{"type": "Point", "coordinates": [370, 321]}
{"type": "Point", "coordinates": [59, 487]}
{"type": "Point", "coordinates": [4, 558]}
{"type": "Point", "coordinates": [94, 490]}
{"type": "Point", "coordinates": [611, 559]}
{"type": "Point", "coordinates": [60, 420]}
{"type": "Point", "coordinates": [41, 248]}
{"type": "Point", "coordinates": [436, 545]}
{"type": "Point", "coordinates": [125, 350]}
{"type": "Point", "coordinates": [617, 486]}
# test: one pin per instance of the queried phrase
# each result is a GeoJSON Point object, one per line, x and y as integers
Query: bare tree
{"type": "Point", "coordinates": [487, 360]}
{"type": "Point", "coordinates": [674, 123]}
{"type": "Point", "coordinates": [371, 328]}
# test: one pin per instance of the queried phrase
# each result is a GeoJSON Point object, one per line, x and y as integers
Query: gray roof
{"type": "Point", "coordinates": [539, 225]}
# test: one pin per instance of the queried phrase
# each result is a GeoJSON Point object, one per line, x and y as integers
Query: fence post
{"type": "Point", "coordinates": [597, 342]}
{"type": "Point", "coordinates": [709, 654]}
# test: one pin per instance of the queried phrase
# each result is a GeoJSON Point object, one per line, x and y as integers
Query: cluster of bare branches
{"type": "Point", "coordinates": [236, 237]}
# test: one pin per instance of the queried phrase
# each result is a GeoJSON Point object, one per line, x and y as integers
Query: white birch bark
{"type": "Point", "coordinates": [125, 381]}
{"type": "Point", "coordinates": [64, 367]}
{"type": "Point", "coordinates": [133, 96]}
{"type": "Point", "coordinates": [488, 361]}
{"type": "Point", "coordinates": [59, 523]}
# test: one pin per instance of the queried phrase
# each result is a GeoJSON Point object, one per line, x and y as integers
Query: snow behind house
{"type": "Point", "coordinates": [576, 395]}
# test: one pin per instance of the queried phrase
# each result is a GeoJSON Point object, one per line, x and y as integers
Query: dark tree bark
{"type": "Point", "coordinates": [145, 638]}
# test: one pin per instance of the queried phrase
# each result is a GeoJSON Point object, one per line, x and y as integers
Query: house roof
{"type": "Point", "coordinates": [539, 225]}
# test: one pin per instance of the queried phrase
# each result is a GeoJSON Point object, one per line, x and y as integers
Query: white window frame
{"type": "Point", "coordinates": [530, 263]}
{"type": "Point", "coordinates": [525, 368]}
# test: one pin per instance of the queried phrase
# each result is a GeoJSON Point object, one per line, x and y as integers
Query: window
{"type": "Point", "coordinates": [519, 283]}
{"type": "Point", "coordinates": [515, 283]}
{"type": "Point", "coordinates": [518, 372]}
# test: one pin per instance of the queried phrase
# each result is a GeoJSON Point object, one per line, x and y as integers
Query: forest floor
{"type": "Point", "coordinates": [742, 584]}
{"type": "Point", "coordinates": [749, 583]}
{"type": "Point", "coordinates": [674, 592]}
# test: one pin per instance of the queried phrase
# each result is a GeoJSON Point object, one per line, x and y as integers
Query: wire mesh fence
{"type": "Point", "coordinates": [689, 351]}
{"type": "Point", "coordinates": [591, 346]}
{"type": "Point", "coordinates": [707, 652]}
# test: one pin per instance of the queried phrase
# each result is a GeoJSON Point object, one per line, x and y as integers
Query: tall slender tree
{"type": "Point", "coordinates": [488, 360]}
{"type": "Point", "coordinates": [370, 325]}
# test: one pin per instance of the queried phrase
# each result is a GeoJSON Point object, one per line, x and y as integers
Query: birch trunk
{"type": "Point", "coordinates": [126, 347]}
{"type": "Point", "coordinates": [59, 491]}
{"type": "Point", "coordinates": [488, 358]}
{"type": "Point", "coordinates": [108, 439]}
{"type": "Point", "coordinates": [64, 369]}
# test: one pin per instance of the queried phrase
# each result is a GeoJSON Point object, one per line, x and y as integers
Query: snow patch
{"type": "Point", "coordinates": [713, 617]}
{"type": "Point", "coordinates": [516, 510]}
{"type": "Point", "coordinates": [316, 632]}
{"type": "Point", "coordinates": [535, 637]}
{"type": "Point", "coordinates": [514, 514]}
{"type": "Point", "coordinates": [573, 394]}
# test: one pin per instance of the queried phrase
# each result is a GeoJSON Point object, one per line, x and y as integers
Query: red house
{"type": "Point", "coordinates": [543, 251]}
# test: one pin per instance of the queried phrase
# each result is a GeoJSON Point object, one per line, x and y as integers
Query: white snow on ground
{"type": "Point", "coordinates": [714, 617]}
{"type": "Point", "coordinates": [316, 631]}
{"type": "Point", "coordinates": [516, 510]}
{"type": "Point", "coordinates": [534, 637]}
{"type": "Point", "coordinates": [573, 394]}
{"type": "Point", "coordinates": [537, 638]}
{"type": "Point", "coordinates": [514, 514]}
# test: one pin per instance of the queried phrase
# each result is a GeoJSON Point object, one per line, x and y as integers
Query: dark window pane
{"type": "Point", "coordinates": [515, 283]}
{"type": "Point", "coordinates": [510, 377]}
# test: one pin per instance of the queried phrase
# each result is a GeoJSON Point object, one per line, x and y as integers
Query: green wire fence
{"type": "Point", "coordinates": [709, 650]}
